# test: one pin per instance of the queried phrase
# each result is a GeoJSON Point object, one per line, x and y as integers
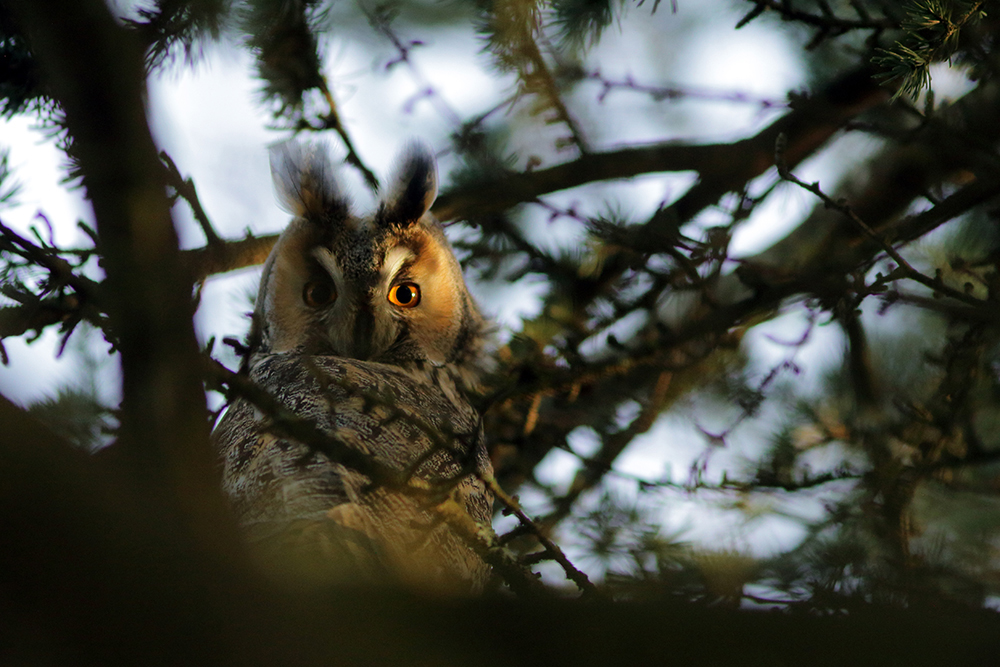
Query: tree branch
{"type": "Point", "coordinates": [721, 167]}
{"type": "Point", "coordinates": [95, 70]}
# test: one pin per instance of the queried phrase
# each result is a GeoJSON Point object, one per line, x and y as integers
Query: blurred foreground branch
{"type": "Point", "coordinates": [132, 593]}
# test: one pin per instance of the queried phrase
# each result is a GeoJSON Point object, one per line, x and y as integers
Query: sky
{"type": "Point", "coordinates": [209, 119]}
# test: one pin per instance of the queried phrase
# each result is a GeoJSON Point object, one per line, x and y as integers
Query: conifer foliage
{"type": "Point", "coordinates": [842, 381]}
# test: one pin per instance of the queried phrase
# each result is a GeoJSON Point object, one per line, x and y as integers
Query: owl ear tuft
{"type": "Point", "coordinates": [413, 186]}
{"type": "Point", "coordinates": [305, 180]}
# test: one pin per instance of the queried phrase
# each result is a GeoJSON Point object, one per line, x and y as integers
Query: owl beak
{"type": "Point", "coordinates": [364, 327]}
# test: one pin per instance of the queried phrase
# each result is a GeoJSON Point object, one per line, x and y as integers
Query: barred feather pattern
{"type": "Point", "coordinates": [363, 326]}
{"type": "Point", "coordinates": [280, 487]}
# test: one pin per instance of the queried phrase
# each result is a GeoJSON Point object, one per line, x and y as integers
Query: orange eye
{"type": "Point", "coordinates": [318, 293]}
{"type": "Point", "coordinates": [405, 295]}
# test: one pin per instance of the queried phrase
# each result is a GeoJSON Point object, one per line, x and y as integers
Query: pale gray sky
{"type": "Point", "coordinates": [209, 120]}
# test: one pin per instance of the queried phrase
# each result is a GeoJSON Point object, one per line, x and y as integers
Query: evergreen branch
{"type": "Point", "coordinates": [60, 271]}
{"type": "Point", "coordinates": [332, 120]}
{"type": "Point", "coordinates": [164, 431]}
{"type": "Point", "coordinates": [761, 483]}
{"type": "Point", "coordinates": [931, 35]}
{"type": "Point", "coordinates": [513, 27]}
{"type": "Point", "coordinates": [727, 166]}
{"type": "Point", "coordinates": [285, 45]}
{"type": "Point", "coordinates": [541, 533]}
{"type": "Point", "coordinates": [61, 501]}
{"type": "Point", "coordinates": [669, 93]}
{"type": "Point", "coordinates": [544, 81]}
{"type": "Point", "coordinates": [881, 192]}
{"type": "Point", "coordinates": [740, 161]}
{"type": "Point", "coordinates": [612, 446]}
{"type": "Point", "coordinates": [581, 22]}
{"type": "Point", "coordinates": [826, 21]}
{"type": "Point", "coordinates": [177, 22]}
{"type": "Point", "coordinates": [722, 167]}
{"type": "Point", "coordinates": [9, 187]}
{"type": "Point", "coordinates": [905, 269]}
{"type": "Point", "coordinates": [22, 87]}
{"type": "Point", "coordinates": [49, 304]}
{"type": "Point", "coordinates": [706, 327]}
{"type": "Point", "coordinates": [185, 189]}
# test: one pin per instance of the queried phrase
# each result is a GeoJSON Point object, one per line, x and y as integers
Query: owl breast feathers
{"type": "Point", "coordinates": [363, 325]}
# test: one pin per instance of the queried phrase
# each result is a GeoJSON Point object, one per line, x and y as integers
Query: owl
{"type": "Point", "coordinates": [364, 326]}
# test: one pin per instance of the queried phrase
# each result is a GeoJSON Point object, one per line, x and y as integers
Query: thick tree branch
{"type": "Point", "coordinates": [227, 256]}
{"type": "Point", "coordinates": [95, 70]}
{"type": "Point", "coordinates": [721, 167]}
{"type": "Point", "coordinates": [880, 192]}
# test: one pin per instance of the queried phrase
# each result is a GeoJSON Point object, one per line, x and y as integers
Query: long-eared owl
{"type": "Point", "coordinates": [363, 325]}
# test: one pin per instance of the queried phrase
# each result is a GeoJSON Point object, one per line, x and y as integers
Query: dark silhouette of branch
{"type": "Point", "coordinates": [722, 168]}
{"type": "Point", "coordinates": [92, 579]}
{"type": "Point", "coordinates": [332, 121]}
{"type": "Point", "coordinates": [667, 93]}
{"type": "Point", "coordinates": [163, 435]}
{"type": "Point", "coordinates": [826, 20]}
{"type": "Point", "coordinates": [905, 269]}
{"type": "Point", "coordinates": [282, 421]}
{"type": "Point", "coordinates": [184, 187]}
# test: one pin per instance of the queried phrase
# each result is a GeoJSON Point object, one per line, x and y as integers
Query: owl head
{"type": "Point", "coordinates": [383, 286]}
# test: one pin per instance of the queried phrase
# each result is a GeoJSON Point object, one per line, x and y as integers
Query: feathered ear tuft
{"type": "Point", "coordinates": [305, 180]}
{"type": "Point", "coordinates": [413, 186]}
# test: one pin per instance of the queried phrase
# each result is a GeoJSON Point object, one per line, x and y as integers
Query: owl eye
{"type": "Point", "coordinates": [317, 293]}
{"type": "Point", "coordinates": [405, 295]}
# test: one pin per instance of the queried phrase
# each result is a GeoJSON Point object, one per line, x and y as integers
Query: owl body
{"type": "Point", "coordinates": [363, 326]}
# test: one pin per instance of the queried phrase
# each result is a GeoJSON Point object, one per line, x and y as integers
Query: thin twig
{"type": "Point", "coordinates": [485, 543]}
{"type": "Point", "coordinates": [184, 187]}
{"type": "Point", "coordinates": [660, 93]}
{"type": "Point", "coordinates": [587, 588]}
{"type": "Point", "coordinates": [904, 269]}
{"type": "Point", "coordinates": [381, 22]}
{"type": "Point", "coordinates": [284, 422]}
{"type": "Point", "coordinates": [59, 269]}
{"type": "Point", "coordinates": [287, 424]}
{"type": "Point", "coordinates": [332, 120]}
{"type": "Point", "coordinates": [826, 20]}
{"type": "Point", "coordinates": [613, 445]}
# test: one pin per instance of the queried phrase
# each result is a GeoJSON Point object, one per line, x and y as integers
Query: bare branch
{"type": "Point", "coordinates": [905, 270]}
{"type": "Point", "coordinates": [722, 167]}
{"type": "Point", "coordinates": [184, 187]}
{"type": "Point", "coordinates": [228, 256]}
{"type": "Point", "coordinates": [332, 120]}
{"type": "Point", "coordinates": [825, 21]}
{"type": "Point", "coordinates": [541, 533]}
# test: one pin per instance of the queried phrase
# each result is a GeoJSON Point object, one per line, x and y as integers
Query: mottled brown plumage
{"type": "Point", "coordinates": [364, 326]}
